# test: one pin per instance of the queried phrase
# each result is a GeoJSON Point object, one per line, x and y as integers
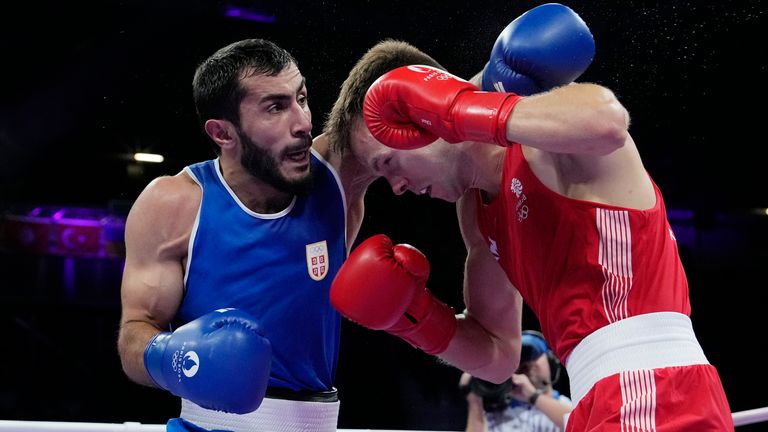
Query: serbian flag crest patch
{"type": "Point", "coordinates": [317, 260]}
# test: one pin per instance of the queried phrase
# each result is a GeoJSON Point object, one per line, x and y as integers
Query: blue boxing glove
{"type": "Point", "coordinates": [546, 47]}
{"type": "Point", "coordinates": [219, 361]}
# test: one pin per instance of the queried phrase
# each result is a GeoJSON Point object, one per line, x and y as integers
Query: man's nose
{"type": "Point", "coordinates": [303, 122]}
{"type": "Point", "coordinates": [399, 185]}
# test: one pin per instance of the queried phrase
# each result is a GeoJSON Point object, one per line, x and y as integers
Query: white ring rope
{"type": "Point", "coordinates": [49, 426]}
{"type": "Point", "coordinates": [740, 418]}
{"type": "Point", "coordinates": [756, 415]}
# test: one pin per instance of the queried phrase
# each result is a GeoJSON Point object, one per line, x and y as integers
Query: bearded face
{"type": "Point", "coordinates": [267, 167]}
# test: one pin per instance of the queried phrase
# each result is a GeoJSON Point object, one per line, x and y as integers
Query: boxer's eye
{"type": "Point", "coordinates": [275, 108]}
{"type": "Point", "coordinates": [378, 165]}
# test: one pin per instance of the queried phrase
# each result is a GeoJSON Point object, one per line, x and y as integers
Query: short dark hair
{"type": "Point", "coordinates": [216, 84]}
{"type": "Point", "coordinates": [383, 57]}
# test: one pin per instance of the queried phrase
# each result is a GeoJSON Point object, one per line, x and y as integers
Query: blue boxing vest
{"type": "Point", "coordinates": [277, 267]}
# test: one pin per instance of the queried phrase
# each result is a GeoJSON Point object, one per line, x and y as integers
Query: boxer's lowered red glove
{"type": "Point", "coordinates": [382, 287]}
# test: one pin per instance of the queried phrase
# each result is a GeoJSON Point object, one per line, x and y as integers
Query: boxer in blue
{"type": "Point", "coordinates": [229, 262]}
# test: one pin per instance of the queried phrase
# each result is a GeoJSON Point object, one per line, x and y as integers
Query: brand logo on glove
{"type": "Point", "coordinates": [317, 260]}
{"type": "Point", "coordinates": [190, 364]}
{"type": "Point", "coordinates": [432, 73]}
{"type": "Point", "coordinates": [421, 69]}
{"type": "Point", "coordinates": [185, 362]}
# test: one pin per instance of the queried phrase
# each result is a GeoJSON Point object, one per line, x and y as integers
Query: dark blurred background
{"type": "Point", "coordinates": [86, 84]}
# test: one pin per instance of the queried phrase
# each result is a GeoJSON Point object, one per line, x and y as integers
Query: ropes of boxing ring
{"type": "Point", "coordinates": [740, 418]}
{"type": "Point", "coordinates": [746, 417]}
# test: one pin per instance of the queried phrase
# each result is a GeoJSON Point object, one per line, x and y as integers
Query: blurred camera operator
{"type": "Point", "coordinates": [525, 402]}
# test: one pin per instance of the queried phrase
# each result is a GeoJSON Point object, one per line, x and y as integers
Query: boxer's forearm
{"type": "Point", "coordinates": [131, 343]}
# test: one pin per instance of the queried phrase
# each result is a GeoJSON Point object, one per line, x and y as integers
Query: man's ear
{"type": "Point", "coordinates": [222, 132]}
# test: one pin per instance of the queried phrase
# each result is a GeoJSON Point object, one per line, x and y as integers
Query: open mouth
{"type": "Point", "coordinates": [427, 190]}
{"type": "Point", "coordinates": [299, 156]}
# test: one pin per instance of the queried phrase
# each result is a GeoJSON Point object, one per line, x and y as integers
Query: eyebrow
{"type": "Point", "coordinates": [281, 96]}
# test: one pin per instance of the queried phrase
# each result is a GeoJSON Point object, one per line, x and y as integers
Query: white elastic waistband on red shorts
{"type": "Point", "coordinates": [272, 415]}
{"type": "Point", "coordinates": [649, 341]}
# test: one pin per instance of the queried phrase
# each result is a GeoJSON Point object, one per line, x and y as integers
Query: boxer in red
{"type": "Point", "coordinates": [557, 210]}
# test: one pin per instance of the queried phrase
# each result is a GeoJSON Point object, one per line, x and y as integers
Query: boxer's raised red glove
{"type": "Point", "coordinates": [411, 106]}
{"type": "Point", "coordinates": [383, 287]}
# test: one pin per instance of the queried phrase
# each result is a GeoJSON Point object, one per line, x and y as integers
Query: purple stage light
{"type": "Point", "coordinates": [248, 15]}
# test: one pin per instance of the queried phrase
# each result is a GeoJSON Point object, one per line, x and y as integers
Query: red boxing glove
{"type": "Point", "coordinates": [411, 106]}
{"type": "Point", "coordinates": [384, 288]}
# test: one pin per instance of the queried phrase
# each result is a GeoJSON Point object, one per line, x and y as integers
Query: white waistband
{"type": "Point", "coordinates": [649, 341]}
{"type": "Point", "coordinates": [273, 415]}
